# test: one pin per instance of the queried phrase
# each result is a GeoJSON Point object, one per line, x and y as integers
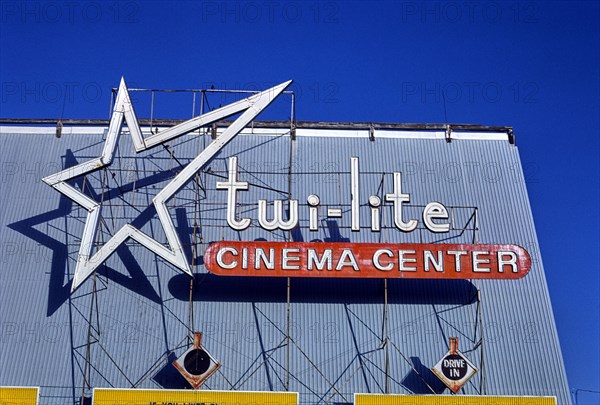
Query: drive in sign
{"type": "Point", "coordinates": [454, 369]}
{"type": "Point", "coordinates": [367, 260]}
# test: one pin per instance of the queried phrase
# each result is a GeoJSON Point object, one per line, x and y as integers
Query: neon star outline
{"type": "Point", "coordinates": [124, 111]}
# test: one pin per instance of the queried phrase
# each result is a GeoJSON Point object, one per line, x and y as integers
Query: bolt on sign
{"type": "Point", "coordinates": [106, 396]}
{"type": "Point", "coordinates": [454, 369]}
{"type": "Point", "coordinates": [385, 399]}
{"type": "Point", "coordinates": [19, 395]}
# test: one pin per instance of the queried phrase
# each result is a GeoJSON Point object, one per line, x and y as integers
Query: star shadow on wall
{"type": "Point", "coordinates": [59, 285]}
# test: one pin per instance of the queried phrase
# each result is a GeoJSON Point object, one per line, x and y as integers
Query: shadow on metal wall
{"type": "Point", "coordinates": [59, 283]}
{"type": "Point", "coordinates": [209, 287]}
{"type": "Point", "coordinates": [420, 379]}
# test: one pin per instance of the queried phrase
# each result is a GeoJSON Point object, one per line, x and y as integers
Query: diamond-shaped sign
{"type": "Point", "coordinates": [196, 364]}
{"type": "Point", "coordinates": [454, 369]}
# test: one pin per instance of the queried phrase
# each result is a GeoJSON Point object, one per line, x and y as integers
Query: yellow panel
{"type": "Point", "coordinates": [187, 397]}
{"type": "Point", "coordinates": [380, 399]}
{"type": "Point", "coordinates": [18, 395]}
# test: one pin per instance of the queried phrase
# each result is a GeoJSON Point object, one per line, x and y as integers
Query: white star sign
{"type": "Point", "coordinates": [87, 260]}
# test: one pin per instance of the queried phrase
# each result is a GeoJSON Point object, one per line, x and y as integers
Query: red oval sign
{"type": "Point", "coordinates": [367, 260]}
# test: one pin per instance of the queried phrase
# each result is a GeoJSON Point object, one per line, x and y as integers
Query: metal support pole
{"type": "Point", "coordinates": [202, 102]}
{"type": "Point", "coordinates": [88, 367]}
{"type": "Point", "coordinates": [112, 100]}
{"type": "Point", "coordinates": [387, 336]}
{"type": "Point", "coordinates": [482, 378]}
{"type": "Point", "coordinates": [152, 113]}
{"type": "Point", "coordinates": [476, 230]}
{"type": "Point", "coordinates": [287, 337]}
{"type": "Point", "coordinates": [293, 118]}
{"type": "Point", "coordinates": [201, 130]}
{"type": "Point", "coordinates": [191, 327]}
{"type": "Point", "coordinates": [193, 105]}
{"type": "Point", "coordinates": [289, 306]}
{"type": "Point", "coordinates": [293, 114]}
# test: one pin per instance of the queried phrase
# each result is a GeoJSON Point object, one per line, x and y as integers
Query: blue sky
{"type": "Point", "coordinates": [531, 65]}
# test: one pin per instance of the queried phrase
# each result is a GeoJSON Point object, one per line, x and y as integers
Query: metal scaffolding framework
{"type": "Point", "coordinates": [137, 174]}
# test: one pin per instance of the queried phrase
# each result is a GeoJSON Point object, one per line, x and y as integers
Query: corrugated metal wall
{"type": "Point", "coordinates": [140, 313]}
